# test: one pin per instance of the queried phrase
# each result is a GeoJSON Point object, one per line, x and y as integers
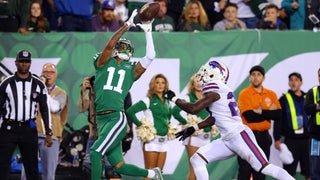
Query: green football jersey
{"type": "Point", "coordinates": [112, 84]}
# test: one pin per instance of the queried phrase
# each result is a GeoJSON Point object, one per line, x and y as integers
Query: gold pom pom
{"type": "Point", "coordinates": [214, 131]}
{"type": "Point", "coordinates": [146, 132]}
{"type": "Point", "coordinates": [192, 120]}
{"type": "Point", "coordinates": [173, 129]}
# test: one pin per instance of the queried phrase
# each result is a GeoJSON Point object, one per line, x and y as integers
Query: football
{"type": "Point", "coordinates": [149, 11]}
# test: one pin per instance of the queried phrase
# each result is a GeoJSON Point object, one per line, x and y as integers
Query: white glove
{"type": "Point", "coordinates": [130, 22]}
{"type": "Point", "coordinates": [146, 25]}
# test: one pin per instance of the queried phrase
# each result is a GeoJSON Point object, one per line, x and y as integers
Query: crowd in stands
{"type": "Point", "coordinates": [174, 15]}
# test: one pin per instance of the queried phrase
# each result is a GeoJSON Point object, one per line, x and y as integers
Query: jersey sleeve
{"type": "Point", "coordinates": [210, 87]}
{"type": "Point", "coordinates": [244, 102]}
{"type": "Point", "coordinates": [131, 112]}
{"type": "Point", "coordinates": [95, 59]}
{"type": "Point", "coordinates": [275, 100]}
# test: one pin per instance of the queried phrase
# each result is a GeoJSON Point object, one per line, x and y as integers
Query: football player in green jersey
{"type": "Point", "coordinates": [114, 78]}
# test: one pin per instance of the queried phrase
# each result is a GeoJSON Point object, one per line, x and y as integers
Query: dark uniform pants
{"type": "Point", "coordinates": [21, 134]}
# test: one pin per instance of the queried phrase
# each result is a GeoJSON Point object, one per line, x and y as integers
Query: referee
{"type": "Point", "coordinates": [20, 94]}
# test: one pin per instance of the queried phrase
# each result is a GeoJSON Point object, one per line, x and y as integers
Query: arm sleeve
{"type": "Point", "coordinates": [272, 114]}
{"type": "Point", "coordinates": [251, 116]}
{"type": "Point", "coordinates": [286, 4]}
{"type": "Point", "coordinates": [176, 114]}
{"type": "Point", "coordinates": [277, 125]}
{"type": "Point", "coordinates": [150, 52]}
{"type": "Point", "coordinates": [219, 26]}
{"type": "Point", "coordinates": [45, 111]}
{"type": "Point", "coordinates": [2, 97]}
{"type": "Point", "coordinates": [309, 106]}
{"type": "Point", "coordinates": [131, 112]}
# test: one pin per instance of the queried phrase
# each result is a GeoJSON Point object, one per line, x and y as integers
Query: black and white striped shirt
{"type": "Point", "coordinates": [19, 99]}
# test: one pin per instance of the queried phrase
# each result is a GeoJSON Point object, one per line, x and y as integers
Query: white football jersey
{"type": "Point", "coordinates": [225, 111]}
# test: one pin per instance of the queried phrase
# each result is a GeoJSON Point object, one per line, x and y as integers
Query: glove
{"type": "Point", "coordinates": [130, 22]}
{"type": "Point", "coordinates": [146, 25]}
{"type": "Point", "coordinates": [169, 95]}
{"type": "Point", "coordinates": [182, 135]}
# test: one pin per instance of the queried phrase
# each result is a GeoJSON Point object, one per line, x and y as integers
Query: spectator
{"type": "Point", "coordinates": [201, 138]}
{"type": "Point", "coordinates": [194, 18]}
{"type": "Point", "coordinates": [20, 95]}
{"type": "Point", "coordinates": [58, 103]}
{"type": "Point", "coordinates": [245, 13]}
{"type": "Point", "coordinates": [86, 103]}
{"type": "Point", "coordinates": [258, 105]}
{"type": "Point", "coordinates": [121, 10]}
{"type": "Point", "coordinates": [212, 8]}
{"type": "Point", "coordinates": [14, 15]}
{"type": "Point", "coordinates": [271, 19]}
{"type": "Point", "coordinates": [106, 21]}
{"type": "Point", "coordinates": [312, 108]}
{"type": "Point", "coordinates": [236, 138]}
{"type": "Point", "coordinates": [299, 12]}
{"type": "Point", "coordinates": [36, 21]}
{"type": "Point", "coordinates": [75, 15]}
{"type": "Point", "coordinates": [157, 111]}
{"type": "Point", "coordinates": [294, 127]}
{"type": "Point", "coordinates": [113, 64]}
{"type": "Point", "coordinates": [49, 11]}
{"type": "Point", "coordinates": [230, 20]}
{"type": "Point", "coordinates": [163, 22]}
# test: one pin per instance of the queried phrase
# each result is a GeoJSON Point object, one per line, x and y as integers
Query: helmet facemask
{"type": "Point", "coordinates": [123, 49]}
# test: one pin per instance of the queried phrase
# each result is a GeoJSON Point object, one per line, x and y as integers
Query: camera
{"type": "Point", "coordinates": [91, 80]}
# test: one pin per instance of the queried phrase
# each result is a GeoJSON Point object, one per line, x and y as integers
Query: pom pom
{"type": "Point", "coordinates": [214, 131]}
{"type": "Point", "coordinates": [193, 120]}
{"type": "Point", "coordinates": [146, 132]}
{"type": "Point", "coordinates": [173, 129]}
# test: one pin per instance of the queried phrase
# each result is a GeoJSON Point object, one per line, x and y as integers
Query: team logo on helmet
{"type": "Point", "coordinates": [213, 71]}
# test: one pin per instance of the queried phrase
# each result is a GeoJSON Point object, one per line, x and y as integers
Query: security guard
{"type": "Point", "coordinates": [20, 95]}
{"type": "Point", "coordinates": [294, 126]}
{"type": "Point", "coordinates": [312, 108]}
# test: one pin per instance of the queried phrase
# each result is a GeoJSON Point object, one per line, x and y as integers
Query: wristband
{"type": "Point", "coordinates": [174, 99]}
{"type": "Point", "coordinates": [196, 127]}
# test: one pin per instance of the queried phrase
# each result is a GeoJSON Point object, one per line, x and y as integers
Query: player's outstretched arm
{"type": "Point", "coordinates": [183, 134]}
{"type": "Point", "coordinates": [108, 49]}
{"type": "Point", "coordinates": [150, 51]}
{"type": "Point", "coordinates": [193, 108]}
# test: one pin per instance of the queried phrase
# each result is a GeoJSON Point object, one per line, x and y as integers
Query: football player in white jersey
{"type": "Point", "coordinates": [236, 138]}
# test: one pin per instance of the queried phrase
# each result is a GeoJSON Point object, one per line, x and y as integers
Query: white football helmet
{"type": "Point", "coordinates": [213, 71]}
{"type": "Point", "coordinates": [126, 47]}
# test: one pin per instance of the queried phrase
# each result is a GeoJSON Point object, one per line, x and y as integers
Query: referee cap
{"type": "Point", "coordinates": [23, 55]}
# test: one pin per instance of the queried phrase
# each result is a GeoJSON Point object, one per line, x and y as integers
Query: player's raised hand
{"type": "Point", "coordinates": [146, 25]}
{"type": "Point", "coordinates": [130, 22]}
{"type": "Point", "coordinates": [183, 134]}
